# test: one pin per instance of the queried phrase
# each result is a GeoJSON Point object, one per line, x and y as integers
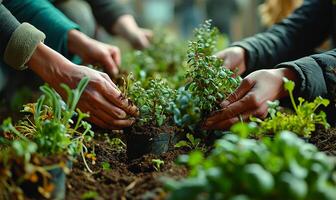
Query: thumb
{"type": "Point", "coordinates": [110, 66]}
{"type": "Point", "coordinates": [245, 86]}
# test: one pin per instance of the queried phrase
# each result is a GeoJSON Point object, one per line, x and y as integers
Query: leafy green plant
{"type": "Point", "coordinates": [186, 113]}
{"type": "Point", "coordinates": [301, 122]}
{"type": "Point", "coordinates": [208, 79]}
{"type": "Point", "coordinates": [157, 163]}
{"type": "Point", "coordinates": [106, 166]}
{"type": "Point", "coordinates": [89, 195]}
{"type": "Point", "coordinates": [240, 168]}
{"type": "Point", "coordinates": [191, 142]}
{"type": "Point", "coordinates": [50, 125]}
{"type": "Point", "coordinates": [154, 101]}
{"type": "Point", "coordinates": [164, 58]}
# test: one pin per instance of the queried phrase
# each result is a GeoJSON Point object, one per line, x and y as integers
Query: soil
{"type": "Point", "coordinates": [136, 179]}
{"type": "Point", "coordinates": [325, 140]}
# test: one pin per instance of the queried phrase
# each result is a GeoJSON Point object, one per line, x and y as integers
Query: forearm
{"type": "Point", "coordinates": [46, 18]}
{"type": "Point", "coordinates": [294, 37]}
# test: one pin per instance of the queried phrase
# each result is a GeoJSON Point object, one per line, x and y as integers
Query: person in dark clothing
{"type": "Point", "coordinates": [285, 50]}
{"type": "Point", "coordinates": [114, 16]}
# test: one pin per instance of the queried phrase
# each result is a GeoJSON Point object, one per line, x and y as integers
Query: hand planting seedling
{"type": "Point", "coordinates": [302, 121]}
{"type": "Point", "coordinates": [209, 81]}
{"type": "Point", "coordinates": [239, 168]}
{"type": "Point", "coordinates": [157, 163]}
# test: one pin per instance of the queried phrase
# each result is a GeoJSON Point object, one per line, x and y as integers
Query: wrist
{"type": "Point", "coordinates": [285, 73]}
{"type": "Point", "coordinates": [125, 26]}
{"type": "Point", "coordinates": [45, 62]}
{"type": "Point", "coordinates": [77, 41]}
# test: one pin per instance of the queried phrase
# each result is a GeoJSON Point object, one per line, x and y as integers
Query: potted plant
{"type": "Point", "coordinates": [154, 130]}
{"type": "Point", "coordinates": [49, 129]}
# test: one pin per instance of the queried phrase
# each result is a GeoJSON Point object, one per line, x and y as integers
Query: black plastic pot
{"type": "Point", "coordinates": [139, 144]}
{"type": "Point", "coordinates": [58, 180]}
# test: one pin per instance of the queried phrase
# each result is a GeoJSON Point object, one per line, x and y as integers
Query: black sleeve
{"type": "Point", "coordinates": [8, 24]}
{"type": "Point", "coordinates": [316, 75]}
{"type": "Point", "coordinates": [107, 12]}
{"type": "Point", "coordinates": [294, 37]}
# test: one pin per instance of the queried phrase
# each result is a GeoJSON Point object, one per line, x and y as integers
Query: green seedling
{"type": "Point", "coordinates": [191, 142]}
{"type": "Point", "coordinates": [209, 81]}
{"type": "Point", "coordinates": [89, 195]}
{"type": "Point", "coordinates": [106, 166]}
{"type": "Point", "coordinates": [157, 164]}
{"type": "Point", "coordinates": [302, 122]}
{"type": "Point", "coordinates": [285, 167]}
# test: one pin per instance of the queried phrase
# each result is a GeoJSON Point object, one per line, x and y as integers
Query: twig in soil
{"type": "Point", "coordinates": [131, 185]}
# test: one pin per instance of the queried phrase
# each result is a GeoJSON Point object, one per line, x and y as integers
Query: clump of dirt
{"type": "Point", "coordinates": [136, 179]}
{"type": "Point", "coordinates": [325, 140]}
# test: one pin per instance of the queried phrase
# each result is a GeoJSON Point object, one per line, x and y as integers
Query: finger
{"type": "Point", "coordinates": [260, 112]}
{"type": "Point", "coordinates": [148, 33]}
{"type": "Point", "coordinates": [110, 66]}
{"type": "Point", "coordinates": [98, 122]}
{"type": "Point", "coordinates": [115, 53]}
{"type": "Point", "coordinates": [112, 122]}
{"type": "Point", "coordinates": [247, 103]}
{"type": "Point", "coordinates": [245, 86]}
{"type": "Point", "coordinates": [222, 125]}
{"type": "Point", "coordinates": [119, 100]}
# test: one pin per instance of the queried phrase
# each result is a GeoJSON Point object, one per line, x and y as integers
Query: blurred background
{"type": "Point", "coordinates": [236, 19]}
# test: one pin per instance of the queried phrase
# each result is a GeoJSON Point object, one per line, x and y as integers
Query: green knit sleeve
{"type": "Point", "coordinates": [44, 16]}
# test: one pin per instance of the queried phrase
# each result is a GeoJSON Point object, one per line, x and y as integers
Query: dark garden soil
{"type": "Point", "coordinates": [325, 140]}
{"type": "Point", "coordinates": [125, 179]}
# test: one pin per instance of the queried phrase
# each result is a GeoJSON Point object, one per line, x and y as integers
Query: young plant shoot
{"type": "Point", "coordinates": [302, 122]}
{"type": "Point", "coordinates": [209, 80]}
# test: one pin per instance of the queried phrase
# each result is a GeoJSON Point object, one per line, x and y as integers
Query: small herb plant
{"type": "Point", "coordinates": [239, 168]}
{"type": "Point", "coordinates": [301, 122]}
{"type": "Point", "coordinates": [51, 127]}
{"type": "Point", "coordinates": [191, 142]}
{"type": "Point", "coordinates": [154, 101]}
{"type": "Point", "coordinates": [157, 163]}
{"type": "Point", "coordinates": [209, 81]}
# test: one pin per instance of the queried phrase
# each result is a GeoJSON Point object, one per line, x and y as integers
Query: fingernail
{"type": "Point", "coordinates": [225, 103]}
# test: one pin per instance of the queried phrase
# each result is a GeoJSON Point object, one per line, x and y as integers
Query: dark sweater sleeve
{"type": "Point", "coordinates": [316, 75]}
{"type": "Point", "coordinates": [107, 12]}
{"type": "Point", "coordinates": [293, 38]}
{"type": "Point", "coordinates": [43, 15]}
{"type": "Point", "coordinates": [17, 41]}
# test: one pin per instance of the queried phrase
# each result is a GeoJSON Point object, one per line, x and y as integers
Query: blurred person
{"type": "Point", "coordinates": [21, 47]}
{"type": "Point", "coordinates": [289, 46]}
{"type": "Point", "coordinates": [221, 13]}
{"type": "Point", "coordinates": [191, 14]}
{"type": "Point", "coordinates": [273, 11]}
{"type": "Point", "coordinates": [115, 17]}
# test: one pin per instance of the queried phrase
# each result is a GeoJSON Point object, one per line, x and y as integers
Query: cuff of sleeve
{"type": "Point", "coordinates": [301, 83]}
{"type": "Point", "coordinates": [22, 45]}
{"type": "Point", "coordinates": [251, 55]}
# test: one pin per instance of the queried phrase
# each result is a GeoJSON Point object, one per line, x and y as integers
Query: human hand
{"type": "Point", "coordinates": [127, 27]}
{"type": "Point", "coordinates": [95, 52]}
{"type": "Point", "coordinates": [234, 58]}
{"type": "Point", "coordinates": [250, 98]}
{"type": "Point", "coordinates": [101, 98]}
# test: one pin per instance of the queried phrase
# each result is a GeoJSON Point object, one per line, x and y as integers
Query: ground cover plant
{"type": "Point", "coordinates": [239, 168]}
{"type": "Point", "coordinates": [302, 122]}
